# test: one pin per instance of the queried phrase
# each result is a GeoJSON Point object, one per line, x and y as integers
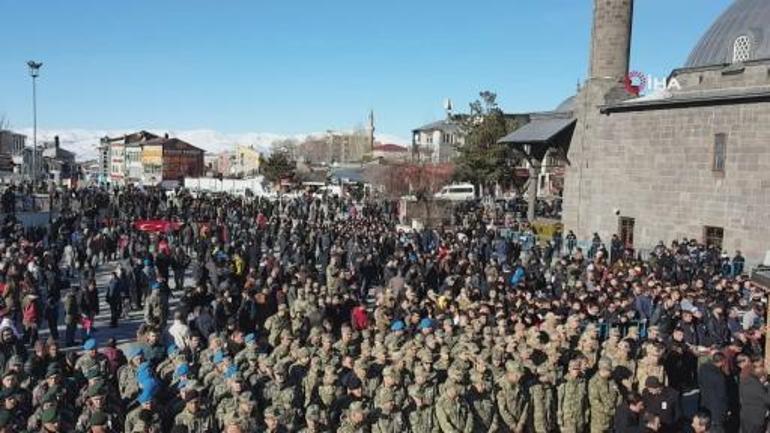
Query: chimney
{"type": "Point", "coordinates": [56, 141]}
{"type": "Point", "coordinates": [165, 136]}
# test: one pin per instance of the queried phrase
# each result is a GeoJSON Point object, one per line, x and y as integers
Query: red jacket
{"type": "Point", "coordinates": [359, 318]}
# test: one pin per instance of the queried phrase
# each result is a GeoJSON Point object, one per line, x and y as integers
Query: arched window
{"type": "Point", "coordinates": [742, 49]}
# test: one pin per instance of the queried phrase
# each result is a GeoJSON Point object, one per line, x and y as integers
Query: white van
{"type": "Point", "coordinates": [457, 192]}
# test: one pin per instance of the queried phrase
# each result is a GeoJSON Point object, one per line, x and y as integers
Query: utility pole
{"type": "Point", "coordinates": [34, 72]}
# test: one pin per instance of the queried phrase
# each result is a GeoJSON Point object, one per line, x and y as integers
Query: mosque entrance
{"type": "Point", "coordinates": [626, 231]}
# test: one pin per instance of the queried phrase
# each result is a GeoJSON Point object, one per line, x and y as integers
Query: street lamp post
{"type": "Point", "coordinates": [34, 72]}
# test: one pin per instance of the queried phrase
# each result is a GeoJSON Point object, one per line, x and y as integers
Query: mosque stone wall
{"type": "Point", "coordinates": [656, 167]}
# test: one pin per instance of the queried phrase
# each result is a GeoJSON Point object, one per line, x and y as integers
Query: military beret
{"type": "Point", "coordinates": [7, 393]}
{"type": "Point", "coordinates": [53, 370]}
{"type": "Point", "coordinates": [96, 390]}
{"type": "Point", "coordinates": [250, 338]}
{"type": "Point", "coordinates": [182, 369]}
{"type": "Point", "coordinates": [426, 323]}
{"type": "Point", "coordinates": [145, 396]}
{"type": "Point", "coordinates": [98, 418]}
{"type": "Point", "coordinates": [49, 415]}
{"type": "Point", "coordinates": [90, 344]}
{"type": "Point", "coordinates": [171, 350]}
{"type": "Point", "coordinates": [219, 356]}
{"type": "Point", "coordinates": [134, 351]}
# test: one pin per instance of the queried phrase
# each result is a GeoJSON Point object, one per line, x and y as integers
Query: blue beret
{"type": "Point", "coordinates": [183, 369]}
{"type": "Point", "coordinates": [398, 325]}
{"type": "Point", "coordinates": [250, 338]}
{"type": "Point", "coordinates": [145, 396]}
{"type": "Point", "coordinates": [232, 370]}
{"type": "Point", "coordinates": [172, 349]}
{"type": "Point", "coordinates": [426, 323]}
{"type": "Point", "coordinates": [155, 285]}
{"type": "Point", "coordinates": [90, 344]}
{"type": "Point", "coordinates": [133, 352]}
{"type": "Point", "coordinates": [147, 262]}
{"type": "Point", "coordinates": [219, 356]}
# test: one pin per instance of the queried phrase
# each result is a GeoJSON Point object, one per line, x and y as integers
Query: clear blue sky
{"type": "Point", "coordinates": [301, 66]}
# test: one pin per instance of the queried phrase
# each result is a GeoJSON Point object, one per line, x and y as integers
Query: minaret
{"type": "Point", "coordinates": [609, 65]}
{"type": "Point", "coordinates": [370, 130]}
{"type": "Point", "coordinates": [611, 39]}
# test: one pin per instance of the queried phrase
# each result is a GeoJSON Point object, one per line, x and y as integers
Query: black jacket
{"type": "Point", "coordinates": [755, 400]}
{"type": "Point", "coordinates": [626, 421]}
{"type": "Point", "coordinates": [665, 405]}
{"type": "Point", "coordinates": [713, 391]}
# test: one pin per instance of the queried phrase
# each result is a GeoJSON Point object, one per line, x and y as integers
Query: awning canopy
{"type": "Point", "coordinates": [540, 135]}
{"type": "Point", "coordinates": [538, 131]}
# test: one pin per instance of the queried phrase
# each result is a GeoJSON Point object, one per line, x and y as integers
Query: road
{"type": "Point", "coordinates": [125, 333]}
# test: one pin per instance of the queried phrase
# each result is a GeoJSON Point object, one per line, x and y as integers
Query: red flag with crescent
{"type": "Point", "coordinates": [156, 226]}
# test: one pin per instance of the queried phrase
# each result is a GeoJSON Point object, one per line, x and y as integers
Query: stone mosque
{"type": "Point", "coordinates": [691, 161]}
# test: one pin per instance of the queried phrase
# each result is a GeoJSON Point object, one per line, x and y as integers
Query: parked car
{"type": "Point", "coordinates": [457, 192]}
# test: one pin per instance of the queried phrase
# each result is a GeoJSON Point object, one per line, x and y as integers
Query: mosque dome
{"type": "Point", "coordinates": [740, 34]}
{"type": "Point", "coordinates": [567, 105]}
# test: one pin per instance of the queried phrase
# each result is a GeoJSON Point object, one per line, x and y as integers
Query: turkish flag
{"type": "Point", "coordinates": [156, 226]}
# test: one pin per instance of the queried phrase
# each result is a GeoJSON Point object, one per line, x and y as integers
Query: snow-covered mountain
{"type": "Point", "coordinates": [84, 141]}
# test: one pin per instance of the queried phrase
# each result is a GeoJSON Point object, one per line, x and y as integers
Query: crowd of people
{"type": "Point", "coordinates": [320, 315]}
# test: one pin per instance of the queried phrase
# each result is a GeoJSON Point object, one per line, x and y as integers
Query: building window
{"type": "Point", "coordinates": [713, 236]}
{"type": "Point", "coordinates": [742, 49]}
{"type": "Point", "coordinates": [720, 153]}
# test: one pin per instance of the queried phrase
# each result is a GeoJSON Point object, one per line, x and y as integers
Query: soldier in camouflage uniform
{"type": "Point", "coordinates": [572, 400]}
{"type": "Point", "coordinates": [513, 400]}
{"type": "Point", "coordinates": [423, 395]}
{"type": "Point", "coordinates": [314, 421]}
{"type": "Point", "coordinates": [355, 420]}
{"type": "Point", "coordinates": [543, 402]}
{"type": "Point", "coordinates": [452, 413]}
{"type": "Point", "coordinates": [388, 418]}
{"type": "Point", "coordinates": [127, 384]}
{"type": "Point", "coordinates": [97, 402]}
{"type": "Point", "coordinates": [244, 415]}
{"type": "Point", "coordinates": [390, 389]}
{"type": "Point", "coordinates": [602, 397]}
{"type": "Point", "coordinates": [482, 404]}
{"type": "Point", "coordinates": [284, 398]}
{"type": "Point", "coordinates": [196, 419]}
{"type": "Point", "coordinates": [328, 392]}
